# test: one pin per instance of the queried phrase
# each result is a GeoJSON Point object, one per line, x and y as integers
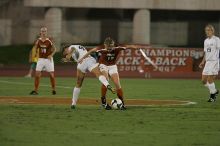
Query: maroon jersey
{"type": "Point", "coordinates": [45, 47]}
{"type": "Point", "coordinates": [109, 57]}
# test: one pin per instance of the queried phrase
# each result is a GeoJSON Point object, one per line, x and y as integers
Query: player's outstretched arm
{"type": "Point", "coordinates": [132, 46]}
{"type": "Point", "coordinates": [124, 47]}
{"type": "Point", "coordinates": [87, 54]}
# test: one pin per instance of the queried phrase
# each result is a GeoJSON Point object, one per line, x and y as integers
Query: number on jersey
{"type": "Point", "coordinates": [209, 49]}
{"type": "Point", "coordinates": [43, 50]}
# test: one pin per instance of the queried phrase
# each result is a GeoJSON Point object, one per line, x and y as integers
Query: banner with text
{"type": "Point", "coordinates": [167, 59]}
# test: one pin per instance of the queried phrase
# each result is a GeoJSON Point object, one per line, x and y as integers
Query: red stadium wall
{"type": "Point", "coordinates": [171, 62]}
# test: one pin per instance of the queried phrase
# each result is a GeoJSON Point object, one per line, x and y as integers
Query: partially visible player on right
{"type": "Point", "coordinates": [211, 61]}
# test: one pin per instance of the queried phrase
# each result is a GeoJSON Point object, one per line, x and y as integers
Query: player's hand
{"type": "Point", "coordinates": [80, 61]}
{"type": "Point", "coordinates": [64, 60]}
{"type": "Point", "coordinates": [201, 64]}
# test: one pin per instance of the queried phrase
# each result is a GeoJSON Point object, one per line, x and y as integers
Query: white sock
{"type": "Point", "coordinates": [212, 88]}
{"type": "Point", "coordinates": [76, 92]}
{"type": "Point", "coordinates": [103, 80]}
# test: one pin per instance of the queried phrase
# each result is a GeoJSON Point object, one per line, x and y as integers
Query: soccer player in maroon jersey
{"type": "Point", "coordinates": [46, 50]}
{"type": "Point", "coordinates": [107, 64]}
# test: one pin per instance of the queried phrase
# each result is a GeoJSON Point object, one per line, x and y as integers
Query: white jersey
{"type": "Point", "coordinates": [211, 48]}
{"type": "Point", "coordinates": [79, 52]}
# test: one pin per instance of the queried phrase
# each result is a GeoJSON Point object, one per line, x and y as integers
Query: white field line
{"type": "Point", "coordinates": [16, 101]}
{"type": "Point", "coordinates": [170, 104]}
{"type": "Point", "coordinates": [134, 132]}
{"type": "Point", "coordinates": [22, 83]}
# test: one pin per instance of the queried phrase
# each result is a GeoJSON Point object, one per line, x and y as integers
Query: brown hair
{"type": "Point", "coordinates": [211, 27]}
{"type": "Point", "coordinates": [109, 41]}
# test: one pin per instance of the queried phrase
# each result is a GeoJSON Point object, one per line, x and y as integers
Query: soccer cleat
{"type": "Point", "coordinates": [123, 107]}
{"type": "Point", "coordinates": [211, 100]}
{"type": "Point", "coordinates": [213, 96]}
{"type": "Point", "coordinates": [109, 87]}
{"type": "Point", "coordinates": [54, 92]}
{"type": "Point", "coordinates": [106, 106]}
{"type": "Point", "coordinates": [33, 93]}
{"type": "Point", "coordinates": [103, 99]}
{"type": "Point", "coordinates": [73, 107]}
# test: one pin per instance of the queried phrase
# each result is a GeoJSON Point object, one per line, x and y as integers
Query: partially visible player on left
{"type": "Point", "coordinates": [87, 64]}
{"type": "Point", "coordinates": [33, 57]}
{"type": "Point", "coordinates": [46, 50]}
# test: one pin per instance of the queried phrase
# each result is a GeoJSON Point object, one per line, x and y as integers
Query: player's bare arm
{"type": "Point", "coordinates": [131, 46]}
{"type": "Point", "coordinates": [53, 52]}
{"type": "Point", "coordinates": [87, 54]}
{"type": "Point", "coordinates": [35, 49]}
{"type": "Point", "coordinates": [124, 47]}
{"type": "Point", "coordinates": [68, 55]}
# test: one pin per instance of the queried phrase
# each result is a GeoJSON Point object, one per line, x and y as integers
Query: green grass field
{"type": "Point", "coordinates": [56, 125]}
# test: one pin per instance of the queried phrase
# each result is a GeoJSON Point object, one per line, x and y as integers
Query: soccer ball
{"type": "Point", "coordinates": [116, 103]}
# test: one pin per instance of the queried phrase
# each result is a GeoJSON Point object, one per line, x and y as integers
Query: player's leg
{"type": "Point", "coordinates": [49, 66]}
{"type": "Point", "coordinates": [113, 72]}
{"type": "Point", "coordinates": [211, 85]}
{"type": "Point", "coordinates": [76, 91]}
{"type": "Point", "coordinates": [39, 68]}
{"type": "Point", "coordinates": [104, 70]}
{"type": "Point", "coordinates": [52, 82]}
{"type": "Point", "coordinates": [104, 92]}
{"type": "Point", "coordinates": [93, 67]}
{"type": "Point", "coordinates": [209, 72]}
{"type": "Point", "coordinates": [102, 79]}
{"type": "Point", "coordinates": [204, 80]}
{"type": "Point", "coordinates": [116, 81]}
{"type": "Point", "coordinates": [37, 80]}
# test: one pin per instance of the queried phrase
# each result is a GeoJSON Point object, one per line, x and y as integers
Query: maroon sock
{"type": "Point", "coordinates": [52, 82]}
{"type": "Point", "coordinates": [120, 94]}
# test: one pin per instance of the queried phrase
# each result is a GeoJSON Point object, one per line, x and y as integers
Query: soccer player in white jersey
{"type": "Point", "coordinates": [211, 61]}
{"type": "Point", "coordinates": [88, 64]}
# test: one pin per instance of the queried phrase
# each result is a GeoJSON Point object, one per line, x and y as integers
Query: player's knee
{"type": "Point", "coordinates": [38, 74]}
{"type": "Point", "coordinates": [210, 81]}
{"type": "Point", "coordinates": [96, 72]}
{"type": "Point", "coordinates": [52, 75]}
{"type": "Point", "coordinates": [78, 86]}
{"type": "Point", "coordinates": [118, 86]}
{"type": "Point", "coordinates": [79, 82]}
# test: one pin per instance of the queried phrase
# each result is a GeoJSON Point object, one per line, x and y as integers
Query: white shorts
{"type": "Point", "coordinates": [88, 64]}
{"type": "Point", "coordinates": [111, 69]}
{"type": "Point", "coordinates": [44, 64]}
{"type": "Point", "coordinates": [211, 68]}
